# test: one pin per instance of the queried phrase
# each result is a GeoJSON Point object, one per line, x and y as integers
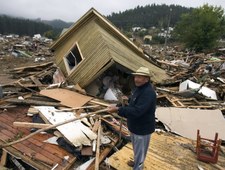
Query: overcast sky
{"type": "Point", "coordinates": [72, 10]}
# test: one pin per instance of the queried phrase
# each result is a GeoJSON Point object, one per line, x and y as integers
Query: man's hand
{"type": "Point", "coordinates": [112, 109]}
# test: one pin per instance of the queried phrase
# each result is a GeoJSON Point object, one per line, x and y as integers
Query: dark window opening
{"type": "Point", "coordinates": [73, 58]}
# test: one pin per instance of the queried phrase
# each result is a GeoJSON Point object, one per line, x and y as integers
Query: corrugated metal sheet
{"type": "Point", "coordinates": [166, 152]}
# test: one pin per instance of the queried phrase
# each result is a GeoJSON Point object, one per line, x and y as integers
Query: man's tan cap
{"type": "Point", "coordinates": [142, 71]}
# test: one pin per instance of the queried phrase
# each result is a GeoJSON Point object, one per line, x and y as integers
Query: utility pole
{"type": "Point", "coordinates": [168, 26]}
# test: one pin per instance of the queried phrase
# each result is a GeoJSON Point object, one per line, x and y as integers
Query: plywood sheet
{"type": "Point", "coordinates": [75, 132]}
{"type": "Point", "coordinates": [66, 97]}
{"type": "Point", "coordinates": [186, 121]}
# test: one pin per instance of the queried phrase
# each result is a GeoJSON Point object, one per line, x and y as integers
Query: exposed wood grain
{"type": "Point", "coordinates": [98, 147]}
{"type": "Point", "coordinates": [67, 97]}
{"type": "Point", "coordinates": [32, 102]}
{"type": "Point", "coordinates": [3, 158]}
{"type": "Point", "coordinates": [30, 125]}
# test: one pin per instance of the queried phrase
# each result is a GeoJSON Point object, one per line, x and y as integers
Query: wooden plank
{"type": "Point", "coordinates": [32, 102]}
{"type": "Point", "coordinates": [76, 108]}
{"type": "Point", "coordinates": [53, 150]}
{"type": "Point", "coordinates": [7, 118]}
{"type": "Point", "coordinates": [37, 142]}
{"type": "Point", "coordinates": [33, 67]}
{"type": "Point", "coordinates": [67, 97]}
{"type": "Point", "coordinates": [37, 82]}
{"type": "Point", "coordinates": [32, 111]}
{"type": "Point", "coordinates": [30, 125]}
{"type": "Point", "coordinates": [3, 158]}
{"type": "Point", "coordinates": [95, 127]}
{"type": "Point", "coordinates": [98, 147]}
{"type": "Point", "coordinates": [99, 103]}
{"type": "Point", "coordinates": [42, 152]}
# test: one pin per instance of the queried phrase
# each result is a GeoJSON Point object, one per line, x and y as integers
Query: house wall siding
{"type": "Point", "coordinates": [100, 43]}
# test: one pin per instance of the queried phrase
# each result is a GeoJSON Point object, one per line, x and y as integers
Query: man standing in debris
{"type": "Point", "coordinates": [140, 114]}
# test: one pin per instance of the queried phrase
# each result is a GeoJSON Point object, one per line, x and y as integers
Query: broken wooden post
{"type": "Point", "coordinates": [121, 119]}
{"type": "Point", "coordinates": [31, 125]}
{"type": "Point", "coordinates": [51, 127]}
{"type": "Point", "coordinates": [32, 102]}
{"type": "Point", "coordinates": [98, 147]}
{"type": "Point", "coordinates": [3, 158]}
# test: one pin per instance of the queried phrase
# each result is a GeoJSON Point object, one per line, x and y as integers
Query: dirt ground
{"type": "Point", "coordinates": [9, 63]}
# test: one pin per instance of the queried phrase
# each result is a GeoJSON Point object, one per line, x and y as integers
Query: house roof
{"type": "Point", "coordinates": [93, 13]}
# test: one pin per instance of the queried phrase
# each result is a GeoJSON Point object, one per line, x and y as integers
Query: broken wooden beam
{"type": "Point", "coordinates": [3, 158]}
{"type": "Point", "coordinates": [98, 147]}
{"type": "Point", "coordinates": [76, 108]}
{"type": "Point", "coordinates": [32, 102]}
{"type": "Point", "coordinates": [99, 103]}
{"type": "Point", "coordinates": [31, 125]}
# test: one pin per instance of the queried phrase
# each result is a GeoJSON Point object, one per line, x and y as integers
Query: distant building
{"type": "Point", "coordinates": [136, 29]}
{"type": "Point", "coordinates": [37, 37]}
{"type": "Point", "coordinates": [147, 38]}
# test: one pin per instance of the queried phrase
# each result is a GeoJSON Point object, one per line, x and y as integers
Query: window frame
{"type": "Point", "coordinates": [65, 59]}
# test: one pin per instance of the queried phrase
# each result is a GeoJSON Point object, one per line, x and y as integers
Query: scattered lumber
{"type": "Point", "coordinates": [51, 127]}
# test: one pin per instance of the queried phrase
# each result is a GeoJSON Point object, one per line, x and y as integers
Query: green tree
{"type": "Point", "coordinates": [201, 28]}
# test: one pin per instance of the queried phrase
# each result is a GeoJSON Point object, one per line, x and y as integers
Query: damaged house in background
{"type": "Point", "coordinates": [94, 49]}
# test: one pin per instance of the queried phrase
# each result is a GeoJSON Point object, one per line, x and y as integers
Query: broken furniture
{"type": "Point", "coordinates": [207, 149]}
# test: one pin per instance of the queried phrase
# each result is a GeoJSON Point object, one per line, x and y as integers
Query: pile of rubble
{"type": "Point", "coordinates": [36, 47]}
{"type": "Point", "coordinates": [197, 80]}
{"type": "Point", "coordinates": [50, 103]}
{"type": "Point", "coordinates": [53, 116]}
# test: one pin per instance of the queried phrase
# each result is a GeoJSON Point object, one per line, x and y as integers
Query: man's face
{"type": "Point", "coordinates": [140, 80]}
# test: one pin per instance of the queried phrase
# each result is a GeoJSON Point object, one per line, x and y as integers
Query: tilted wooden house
{"type": "Point", "coordinates": [92, 45]}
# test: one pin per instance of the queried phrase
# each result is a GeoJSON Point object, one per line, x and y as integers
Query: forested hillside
{"type": "Point", "coordinates": [57, 23]}
{"type": "Point", "coordinates": [9, 25]}
{"type": "Point", "coordinates": [148, 16]}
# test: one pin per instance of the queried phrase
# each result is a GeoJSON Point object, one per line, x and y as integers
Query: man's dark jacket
{"type": "Point", "coordinates": [140, 112]}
